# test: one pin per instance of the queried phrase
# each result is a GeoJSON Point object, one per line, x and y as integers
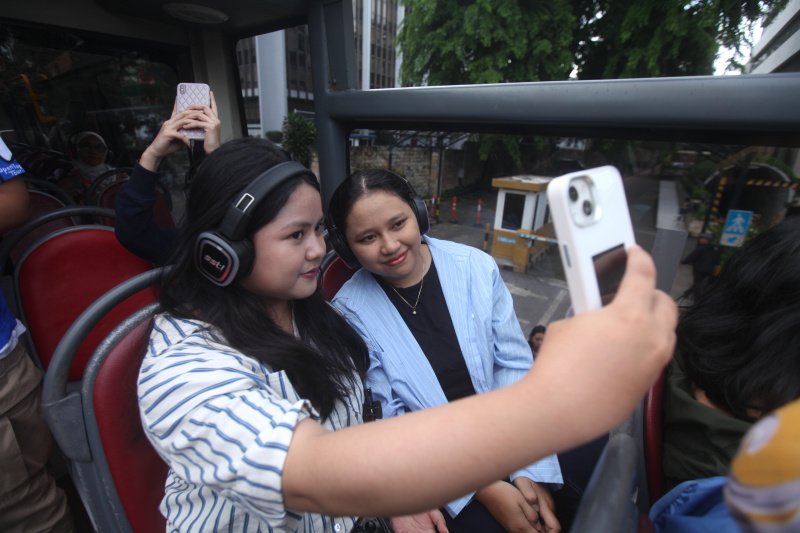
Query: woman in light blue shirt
{"type": "Point", "coordinates": [440, 325]}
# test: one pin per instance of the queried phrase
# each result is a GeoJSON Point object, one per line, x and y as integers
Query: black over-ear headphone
{"type": "Point", "coordinates": [339, 241]}
{"type": "Point", "coordinates": [225, 254]}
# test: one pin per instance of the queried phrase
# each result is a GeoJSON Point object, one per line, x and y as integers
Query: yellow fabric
{"type": "Point", "coordinates": [763, 489]}
{"type": "Point", "coordinates": [770, 452]}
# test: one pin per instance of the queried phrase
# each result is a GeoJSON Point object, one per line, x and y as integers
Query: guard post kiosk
{"type": "Point", "coordinates": [523, 228]}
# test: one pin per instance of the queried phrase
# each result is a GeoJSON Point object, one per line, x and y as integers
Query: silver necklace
{"type": "Point", "coordinates": [421, 281]}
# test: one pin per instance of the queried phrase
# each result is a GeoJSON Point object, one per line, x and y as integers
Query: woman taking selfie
{"type": "Point", "coordinates": [251, 388]}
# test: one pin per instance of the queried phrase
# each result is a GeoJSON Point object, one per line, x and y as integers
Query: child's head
{"type": "Point", "coordinates": [739, 340]}
{"type": "Point", "coordinates": [368, 206]}
{"type": "Point", "coordinates": [536, 337]}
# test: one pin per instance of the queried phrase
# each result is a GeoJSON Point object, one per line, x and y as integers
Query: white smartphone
{"type": "Point", "coordinates": [190, 94]}
{"type": "Point", "coordinates": [594, 230]}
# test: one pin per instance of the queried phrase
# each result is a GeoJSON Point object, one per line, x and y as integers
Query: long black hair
{"type": "Point", "coordinates": [740, 340]}
{"type": "Point", "coordinates": [321, 363]}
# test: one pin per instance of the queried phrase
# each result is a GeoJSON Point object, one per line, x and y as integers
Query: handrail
{"type": "Point", "coordinates": [607, 503]}
{"type": "Point", "coordinates": [15, 236]}
{"type": "Point", "coordinates": [55, 380]}
{"type": "Point", "coordinates": [756, 109]}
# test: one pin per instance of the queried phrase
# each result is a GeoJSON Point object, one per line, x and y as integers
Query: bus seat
{"type": "Point", "coordinates": [11, 247]}
{"type": "Point", "coordinates": [138, 473]}
{"type": "Point", "coordinates": [114, 175]}
{"type": "Point", "coordinates": [334, 274]}
{"type": "Point", "coordinates": [60, 276]}
{"type": "Point", "coordinates": [41, 202]}
{"type": "Point", "coordinates": [39, 184]}
{"type": "Point", "coordinates": [161, 210]}
{"type": "Point", "coordinates": [118, 474]}
{"type": "Point", "coordinates": [653, 441]}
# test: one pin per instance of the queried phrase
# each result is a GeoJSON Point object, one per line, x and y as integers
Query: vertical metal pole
{"type": "Point", "coordinates": [333, 55]}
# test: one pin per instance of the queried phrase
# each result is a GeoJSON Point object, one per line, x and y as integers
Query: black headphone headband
{"type": "Point", "coordinates": [225, 255]}
{"type": "Point", "coordinates": [234, 224]}
{"type": "Point", "coordinates": [339, 241]}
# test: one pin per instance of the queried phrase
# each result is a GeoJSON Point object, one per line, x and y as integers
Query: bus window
{"type": "Point", "coordinates": [58, 83]}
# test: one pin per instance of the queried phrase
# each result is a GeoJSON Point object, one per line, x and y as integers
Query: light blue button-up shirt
{"type": "Point", "coordinates": [491, 340]}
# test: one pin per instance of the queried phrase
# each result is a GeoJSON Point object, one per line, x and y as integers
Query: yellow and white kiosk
{"type": "Point", "coordinates": [523, 228]}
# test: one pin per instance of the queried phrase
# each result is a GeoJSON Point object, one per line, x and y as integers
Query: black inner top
{"type": "Point", "coordinates": [433, 329]}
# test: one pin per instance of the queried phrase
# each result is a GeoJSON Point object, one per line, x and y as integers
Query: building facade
{"type": "Point", "coordinates": [275, 68]}
{"type": "Point", "coordinates": [778, 49]}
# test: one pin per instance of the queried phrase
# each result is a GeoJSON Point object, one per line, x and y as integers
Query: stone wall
{"type": "Point", "coordinates": [419, 165]}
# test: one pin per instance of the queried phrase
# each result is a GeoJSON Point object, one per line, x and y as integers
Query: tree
{"type": "Point", "coordinates": [649, 38]}
{"type": "Point", "coordinates": [487, 41]}
{"type": "Point", "coordinates": [299, 136]}
{"type": "Point", "coordinates": [448, 42]}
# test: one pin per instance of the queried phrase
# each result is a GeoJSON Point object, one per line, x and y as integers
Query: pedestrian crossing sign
{"type": "Point", "coordinates": [735, 229]}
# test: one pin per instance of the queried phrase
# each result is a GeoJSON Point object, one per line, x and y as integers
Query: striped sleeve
{"type": "Point", "coordinates": [218, 420]}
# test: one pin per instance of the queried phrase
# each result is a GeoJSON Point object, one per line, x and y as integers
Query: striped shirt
{"type": "Point", "coordinates": [223, 423]}
{"type": "Point", "coordinates": [494, 347]}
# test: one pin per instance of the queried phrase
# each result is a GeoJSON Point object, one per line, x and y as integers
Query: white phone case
{"type": "Point", "coordinates": [190, 94]}
{"type": "Point", "coordinates": [583, 237]}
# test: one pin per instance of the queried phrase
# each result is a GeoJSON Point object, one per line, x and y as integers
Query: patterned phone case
{"type": "Point", "coordinates": [190, 94]}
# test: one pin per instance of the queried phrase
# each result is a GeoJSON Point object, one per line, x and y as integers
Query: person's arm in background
{"type": "Point", "coordinates": [135, 227]}
{"type": "Point", "coordinates": [15, 204]}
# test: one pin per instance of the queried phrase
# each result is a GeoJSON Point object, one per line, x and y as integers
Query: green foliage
{"type": "Point", "coordinates": [485, 41]}
{"type": "Point", "coordinates": [448, 42]}
{"type": "Point", "coordinates": [491, 143]}
{"type": "Point", "coordinates": [777, 163]}
{"type": "Point", "coordinates": [701, 170]}
{"type": "Point", "coordinates": [299, 135]}
{"type": "Point", "coordinates": [274, 136]}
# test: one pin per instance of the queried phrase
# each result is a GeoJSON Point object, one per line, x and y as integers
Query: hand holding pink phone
{"type": "Point", "coordinates": [190, 94]}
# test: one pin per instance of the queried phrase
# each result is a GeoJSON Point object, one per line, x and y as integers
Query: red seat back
{"type": "Point", "coordinates": [63, 275]}
{"type": "Point", "coordinates": [41, 202]}
{"type": "Point", "coordinates": [334, 275]}
{"type": "Point", "coordinates": [653, 438]}
{"type": "Point", "coordinates": [161, 214]}
{"type": "Point", "coordinates": [138, 472]}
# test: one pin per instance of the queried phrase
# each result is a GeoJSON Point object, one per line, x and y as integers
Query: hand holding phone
{"type": "Point", "coordinates": [594, 230]}
{"type": "Point", "coordinates": [190, 94]}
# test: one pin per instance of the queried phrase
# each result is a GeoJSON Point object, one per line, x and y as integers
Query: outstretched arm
{"type": "Point", "coordinates": [588, 377]}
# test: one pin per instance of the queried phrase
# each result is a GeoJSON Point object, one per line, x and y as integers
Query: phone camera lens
{"type": "Point", "coordinates": [587, 207]}
{"type": "Point", "coordinates": [573, 194]}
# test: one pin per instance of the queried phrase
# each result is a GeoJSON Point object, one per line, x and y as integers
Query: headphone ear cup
{"type": "Point", "coordinates": [421, 212]}
{"type": "Point", "coordinates": [246, 252]}
{"type": "Point", "coordinates": [222, 261]}
{"type": "Point", "coordinates": [339, 243]}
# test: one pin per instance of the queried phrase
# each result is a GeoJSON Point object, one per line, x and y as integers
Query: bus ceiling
{"type": "Point", "coordinates": [752, 109]}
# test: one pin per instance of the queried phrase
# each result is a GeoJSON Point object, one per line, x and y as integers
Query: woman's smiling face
{"type": "Point", "coordinates": [384, 235]}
